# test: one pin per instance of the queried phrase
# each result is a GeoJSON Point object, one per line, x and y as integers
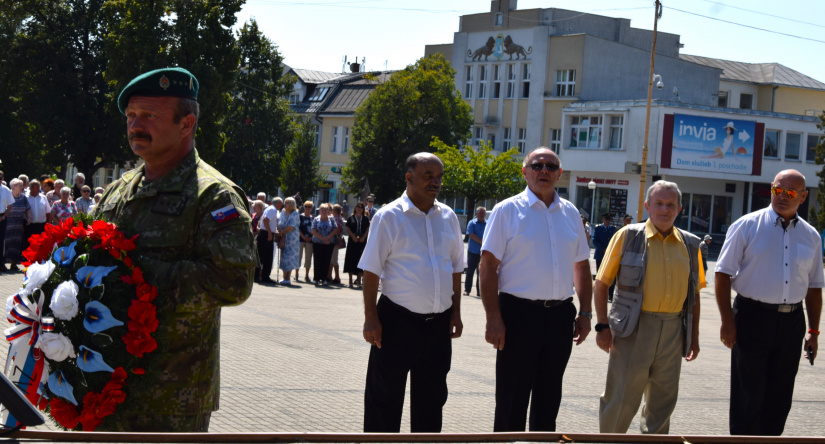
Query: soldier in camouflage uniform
{"type": "Point", "coordinates": [195, 245]}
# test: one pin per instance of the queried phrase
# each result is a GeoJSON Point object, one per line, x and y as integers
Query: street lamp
{"type": "Point", "coordinates": [592, 187]}
{"type": "Point", "coordinates": [660, 85]}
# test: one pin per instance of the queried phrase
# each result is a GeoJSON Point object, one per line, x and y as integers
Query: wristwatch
{"type": "Point", "coordinates": [600, 327]}
{"type": "Point", "coordinates": [587, 314]}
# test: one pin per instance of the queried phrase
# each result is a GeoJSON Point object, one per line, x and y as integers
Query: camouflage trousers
{"type": "Point", "coordinates": [160, 424]}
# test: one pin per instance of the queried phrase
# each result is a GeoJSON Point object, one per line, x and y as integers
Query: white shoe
{"type": "Point", "coordinates": [285, 282]}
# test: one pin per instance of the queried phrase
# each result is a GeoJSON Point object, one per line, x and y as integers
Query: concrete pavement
{"type": "Point", "coordinates": [293, 360]}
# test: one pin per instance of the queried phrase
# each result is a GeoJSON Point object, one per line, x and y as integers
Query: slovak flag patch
{"type": "Point", "coordinates": [224, 214]}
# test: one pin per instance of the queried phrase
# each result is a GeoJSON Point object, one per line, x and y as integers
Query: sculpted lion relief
{"type": "Point", "coordinates": [485, 50]}
{"type": "Point", "coordinates": [512, 48]}
{"type": "Point", "coordinates": [499, 46]}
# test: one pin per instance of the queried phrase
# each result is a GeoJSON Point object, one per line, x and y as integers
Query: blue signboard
{"type": "Point", "coordinates": [712, 144]}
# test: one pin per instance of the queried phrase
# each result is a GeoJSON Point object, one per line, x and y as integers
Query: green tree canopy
{"type": "Point", "coordinates": [300, 166]}
{"type": "Point", "coordinates": [401, 117]}
{"type": "Point", "coordinates": [819, 220]}
{"type": "Point", "coordinates": [477, 174]}
{"type": "Point", "coordinates": [257, 125]}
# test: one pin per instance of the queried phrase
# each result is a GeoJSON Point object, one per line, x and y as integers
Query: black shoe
{"type": "Point", "coordinates": [3, 267]}
{"type": "Point", "coordinates": [267, 281]}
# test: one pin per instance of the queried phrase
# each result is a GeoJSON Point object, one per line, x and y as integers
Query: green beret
{"type": "Point", "coordinates": [164, 82]}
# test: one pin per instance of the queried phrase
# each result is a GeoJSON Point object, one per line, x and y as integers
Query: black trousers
{"type": "Point", "coordinates": [413, 344]}
{"type": "Point", "coordinates": [3, 243]}
{"type": "Point", "coordinates": [266, 249]}
{"type": "Point", "coordinates": [537, 347]}
{"type": "Point", "coordinates": [323, 257]}
{"type": "Point", "coordinates": [472, 266]}
{"type": "Point", "coordinates": [31, 229]}
{"type": "Point", "coordinates": [763, 367]}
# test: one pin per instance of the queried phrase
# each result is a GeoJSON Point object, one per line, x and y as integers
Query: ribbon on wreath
{"type": "Point", "coordinates": [27, 315]}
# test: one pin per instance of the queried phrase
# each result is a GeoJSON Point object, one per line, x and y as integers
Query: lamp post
{"type": "Point", "coordinates": [592, 187]}
{"type": "Point", "coordinates": [643, 165]}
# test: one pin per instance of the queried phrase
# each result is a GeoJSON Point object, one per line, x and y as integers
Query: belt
{"type": "Point", "coordinates": [781, 308]}
{"type": "Point", "coordinates": [546, 303]}
{"type": "Point", "coordinates": [423, 317]}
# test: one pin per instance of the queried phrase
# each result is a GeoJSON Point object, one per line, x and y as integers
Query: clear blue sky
{"type": "Point", "coordinates": [391, 34]}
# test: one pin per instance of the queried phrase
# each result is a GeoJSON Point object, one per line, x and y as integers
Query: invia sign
{"type": "Point", "coordinates": [712, 144]}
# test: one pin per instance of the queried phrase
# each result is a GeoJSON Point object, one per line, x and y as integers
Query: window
{"type": "Point", "coordinates": [555, 140]}
{"type": "Point", "coordinates": [468, 77]}
{"type": "Point", "coordinates": [333, 147]}
{"type": "Point", "coordinates": [496, 81]}
{"type": "Point", "coordinates": [704, 213]}
{"type": "Point", "coordinates": [525, 80]}
{"type": "Point", "coordinates": [792, 142]}
{"type": "Point", "coordinates": [317, 135]}
{"type": "Point", "coordinates": [771, 149]}
{"type": "Point", "coordinates": [319, 94]}
{"type": "Point", "coordinates": [616, 127]}
{"type": "Point", "coordinates": [511, 81]}
{"type": "Point", "coordinates": [810, 151]}
{"type": "Point", "coordinates": [346, 140]}
{"type": "Point", "coordinates": [294, 98]}
{"type": "Point", "coordinates": [499, 20]}
{"type": "Point", "coordinates": [110, 175]}
{"type": "Point", "coordinates": [482, 81]}
{"type": "Point", "coordinates": [522, 140]}
{"type": "Point", "coordinates": [476, 135]}
{"type": "Point", "coordinates": [746, 101]}
{"type": "Point", "coordinates": [491, 140]}
{"type": "Point", "coordinates": [723, 99]}
{"type": "Point", "coordinates": [566, 82]}
{"type": "Point", "coordinates": [586, 132]}
{"type": "Point", "coordinates": [506, 140]}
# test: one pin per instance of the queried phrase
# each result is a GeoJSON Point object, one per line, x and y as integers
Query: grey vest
{"type": "Point", "coordinates": [627, 298]}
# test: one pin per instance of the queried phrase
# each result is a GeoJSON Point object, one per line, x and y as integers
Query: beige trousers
{"type": "Point", "coordinates": [647, 362]}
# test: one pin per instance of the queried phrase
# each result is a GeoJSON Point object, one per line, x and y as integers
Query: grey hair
{"type": "Point", "coordinates": [277, 200]}
{"type": "Point", "coordinates": [664, 185]}
{"type": "Point", "coordinates": [59, 182]}
{"type": "Point", "coordinates": [524, 162]}
{"type": "Point", "coordinates": [65, 190]}
{"type": "Point", "coordinates": [34, 182]}
{"type": "Point", "coordinates": [80, 175]}
{"type": "Point", "coordinates": [14, 182]}
{"type": "Point", "coordinates": [480, 208]}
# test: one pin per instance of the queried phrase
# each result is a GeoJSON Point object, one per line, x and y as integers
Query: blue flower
{"type": "Point", "coordinates": [99, 318]}
{"type": "Point", "coordinates": [61, 387]}
{"type": "Point", "coordinates": [90, 276]}
{"type": "Point", "coordinates": [91, 361]}
{"type": "Point", "coordinates": [65, 255]}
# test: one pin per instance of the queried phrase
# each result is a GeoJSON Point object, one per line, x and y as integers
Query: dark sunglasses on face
{"type": "Point", "coordinates": [537, 167]}
{"type": "Point", "coordinates": [776, 191]}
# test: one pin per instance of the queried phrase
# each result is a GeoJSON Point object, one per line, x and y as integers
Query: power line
{"type": "Point", "coordinates": [748, 26]}
{"type": "Point", "coordinates": [349, 5]}
{"type": "Point", "coordinates": [765, 14]}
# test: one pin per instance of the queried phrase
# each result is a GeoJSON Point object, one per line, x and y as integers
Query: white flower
{"type": "Point", "coordinates": [36, 276]}
{"type": "Point", "coordinates": [64, 301]}
{"type": "Point", "coordinates": [56, 346]}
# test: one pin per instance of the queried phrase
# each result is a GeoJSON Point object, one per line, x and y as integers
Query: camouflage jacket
{"type": "Point", "coordinates": [199, 264]}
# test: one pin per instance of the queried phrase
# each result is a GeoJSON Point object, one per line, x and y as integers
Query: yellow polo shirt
{"type": "Point", "coordinates": [667, 273]}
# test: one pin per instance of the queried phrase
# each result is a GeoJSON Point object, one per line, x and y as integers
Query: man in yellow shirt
{"type": "Point", "coordinates": [654, 319]}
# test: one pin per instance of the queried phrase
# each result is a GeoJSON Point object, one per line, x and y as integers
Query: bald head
{"type": "Point", "coordinates": [542, 150]}
{"type": "Point", "coordinates": [786, 183]}
{"type": "Point", "coordinates": [422, 157]}
{"type": "Point", "coordinates": [792, 175]}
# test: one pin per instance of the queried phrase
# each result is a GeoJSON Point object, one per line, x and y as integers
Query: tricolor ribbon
{"type": "Point", "coordinates": [27, 315]}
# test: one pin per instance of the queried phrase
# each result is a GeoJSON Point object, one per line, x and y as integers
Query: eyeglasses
{"type": "Point", "coordinates": [85, 191]}
{"type": "Point", "coordinates": [776, 191]}
{"type": "Point", "coordinates": [537, 167]}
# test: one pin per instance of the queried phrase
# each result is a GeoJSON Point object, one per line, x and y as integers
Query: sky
{"type": "Point", "coordinates": [391, 34]}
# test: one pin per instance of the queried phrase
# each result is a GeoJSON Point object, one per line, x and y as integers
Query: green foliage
{"type": "Point", "coordinates": [401, 117]}
{"type": "Point", "coordinates": [819, 216]}
{"type": "Point", "coordinates": [300, 167]}
{"type": "Point", "coordinates": [257, 125]}
{"type": "Point", "coordinates": [477, 174]}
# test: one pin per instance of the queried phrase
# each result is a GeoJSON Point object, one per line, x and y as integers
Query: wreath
{"type": "Point", "coordinates": [83, 324]}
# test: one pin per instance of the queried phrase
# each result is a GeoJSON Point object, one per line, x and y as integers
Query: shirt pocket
{"type": "Point", "coordinates": [804, 257]}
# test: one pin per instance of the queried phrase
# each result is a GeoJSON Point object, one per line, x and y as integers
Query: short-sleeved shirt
{"type": "Point", "coordinates": [306, 226]}
{"type": "Point", "coordinates": [769, 263]}
{"type": "Point", "coordinates": [271, 214]}
{"type": "Point", "coordinates": [415, 254]}
{"type": "Point", "coordinates": [40, 208]}
{"type": "Point", "coordinates": [83, 205]}
{"type": "Point", "coordinates": [537, 245]}
{"type": "Point", "coordinates": [6, 198]}
{"type": "Point", "coordinates": [477, 228]}
{"type": "Point", "coordinates": [324, 228]}
{"type": "Point", "coordinates": [667, 273]}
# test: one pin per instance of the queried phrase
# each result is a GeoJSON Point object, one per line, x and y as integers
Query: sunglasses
{"type": "Point", "coordinates": [537, 167]}
{"type": "Point", "coordinates": [776, 191]}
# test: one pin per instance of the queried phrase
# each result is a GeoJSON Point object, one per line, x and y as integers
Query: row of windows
{"type": "Point", "coordinates": [586, 131]}
{"type": "Point", "coordinates": [792, 145]}
{"type": "Point", "coordinates": [340, 140]}
{"type": "Point", "coordinates": [514, 78]}
{"type": "Point", "coordinates": [507, 139]}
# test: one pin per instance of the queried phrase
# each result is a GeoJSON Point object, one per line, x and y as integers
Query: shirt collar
{"type": "Point", "coordinates": [651, 231]}
{"type": "Point", "coordinates": [532, 199]}
{"type": "Point", "coordinates": [408, 205]}
{"type": "Point", "coordinates": [777, 219]}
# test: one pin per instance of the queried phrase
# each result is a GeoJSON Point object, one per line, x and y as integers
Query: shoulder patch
{"type": "Point", "coordinates": [226, 213]}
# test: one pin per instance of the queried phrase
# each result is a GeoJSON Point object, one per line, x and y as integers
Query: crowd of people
{"type": "Point", "coordinates": [26, 206]}
{"type": "Point", "coordinates": [290, 239]}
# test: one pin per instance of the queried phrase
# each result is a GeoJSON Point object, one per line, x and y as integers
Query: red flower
{"type": "Point", "coordinates": [143, 316]}
{"type": "Point", "coordinates": [135, 279]}
{"type": "Point", "coordinates": [40, 247]}
{"type": "Point", "coordinates": [139, 342]}
{"type": "Point", "coordinates": [79, 231]}
{"type": "Point", "coordinates": [139, 370]}
{"type": "Point", "coordinates": [146, 292]}
{"type": "Point", "coordinates": [97, 406]}
{"type": "Point", "coordinates": [64, 413]}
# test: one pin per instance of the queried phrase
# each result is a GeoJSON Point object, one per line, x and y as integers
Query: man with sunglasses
{"type": "Point", "coordinates": [533, 253]}
{"type": "Point", "coordinates": [773, 259]}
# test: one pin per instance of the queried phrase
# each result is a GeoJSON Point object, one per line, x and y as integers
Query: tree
{"type": "Point", "coordinates": [401, 117]}
{"type": "Point", "coordinates": [258, 123]}
{"type": "Point", "coordinates": [477, 174]}
{"type": "Point", "coordinates": [300, 167]}
{"type": "Point", "coordinates": [819, 219]}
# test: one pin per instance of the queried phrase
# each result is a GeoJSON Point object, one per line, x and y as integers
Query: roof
{"type": "Point", "coordinates": [341, 95]}
{"type": "Point", "coordinates": [760, 73]}
{"type": "Point", "coordinates": [310, 76]}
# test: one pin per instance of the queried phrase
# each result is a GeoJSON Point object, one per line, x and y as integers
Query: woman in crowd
{"type": "Point", "coordinates": [338, 243]}
{"type": "Point", "coordinates": [357, 227]}
{"type": "Point", "coordinates": [288, 225]}
{"type": "Point", "coordinates": [257, 212]}
{"type": "Point", "coordinates": [17, 215]}
{"type": "Point", "coordinates": [64, 208]}
{"type": "Point", "coordinates": [54, 195]}
{"type": "Point", "coordinates": [323, 238]}
{"type": "Point", "coordinates": [306, 238]}
{"type": "Point", "coordinates": [47, 188]}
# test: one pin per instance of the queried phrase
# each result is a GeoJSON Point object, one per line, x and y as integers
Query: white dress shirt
{"type": "Point", "coordinates": [771, 264]}
{"type": "Point", "coordinates": [270, 213]}
{"type": "Point", "coordinates": [415, 254]}
{"type": "Point", "coordinates": [537, 246]}
{"type": "Point", "coordinates": [6, 198]}
{"type": "Point", "coordinates": [39, 207]}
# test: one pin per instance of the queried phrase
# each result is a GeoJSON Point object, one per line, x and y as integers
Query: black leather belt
{"type": "Point", "coordinates": [424, 317]}
{"type": "Point", "coordinates": [781, 308]}
{"type": "Point", "coordinates": [545, 303]}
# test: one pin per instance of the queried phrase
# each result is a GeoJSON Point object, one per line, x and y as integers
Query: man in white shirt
{"type": "Point", "coordinates": [6, 199]}
{"type": "Point", "coordinates": [266, 240]}
{"type": "Point", "coordinates": [773, 259]}
{"type": "Point", "coordinates": [41, 212]}
{"type": "Point", "coordinates": [85, 202]}
{"type": "Point", "coordinates": [534, 253]}
{"type": "Point", "coordinates": [415, 247]}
